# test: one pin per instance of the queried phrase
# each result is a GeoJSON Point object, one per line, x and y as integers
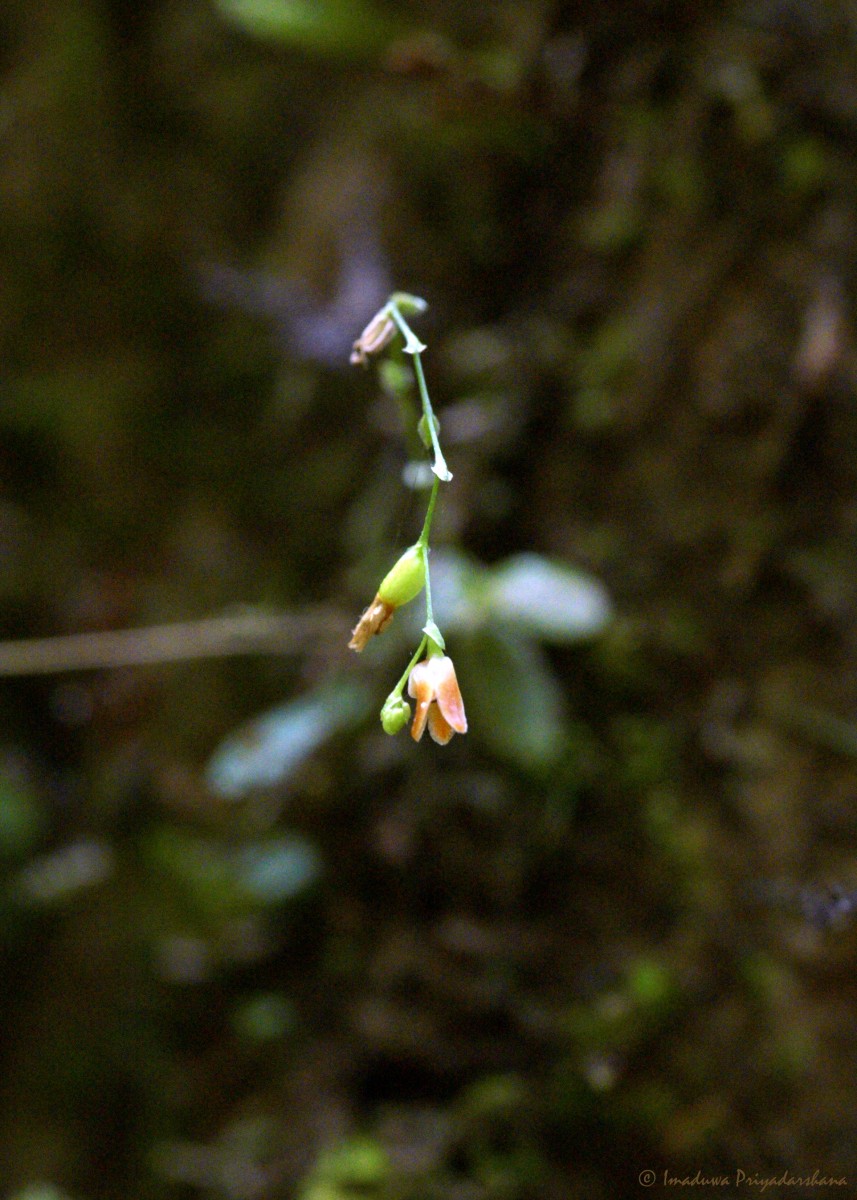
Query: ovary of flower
{"type": "Point", "coordinates": [433, 685]}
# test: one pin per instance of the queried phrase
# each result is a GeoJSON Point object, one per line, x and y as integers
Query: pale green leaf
{"type": "Point", "coordinates": [512, 700]}
{"type": "Point", "coordinates": [548, 600]}
{"type": "Point", "coordinates": [341, 28]}
{"type": "Point", "coordinates": [277, 869]}
{"type": "Point", "coordinates": [267, 750]}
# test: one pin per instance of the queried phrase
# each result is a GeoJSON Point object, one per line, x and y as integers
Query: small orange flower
{"type": "Point", "coordinates": [433, 685]}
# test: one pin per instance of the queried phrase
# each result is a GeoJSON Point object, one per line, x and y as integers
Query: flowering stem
{"type": "Point", "coordinates": [440, 468]}
{"type": "Point", "coordinates": [412, 568]}
{"type": "Point", "coordinates": [414, 347]}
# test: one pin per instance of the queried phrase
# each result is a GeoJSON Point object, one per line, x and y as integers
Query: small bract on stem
{"type": "Point", "coordinates": [430, 680]}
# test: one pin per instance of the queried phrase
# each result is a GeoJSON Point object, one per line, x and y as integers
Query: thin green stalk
{"type": "Point", "coordinates": [414, 347]}
{"type": "Point", "coordinates": [424, 536]}
{"type": "Point", "coordinates": [400, 686]}
{"type": "Point", "coordinates": [423, 542]}
{"type": "Point", "coordinates": [440, 468]}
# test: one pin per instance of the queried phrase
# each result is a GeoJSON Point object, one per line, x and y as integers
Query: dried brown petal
{"type": "Point", "coordinates": [375, 619]}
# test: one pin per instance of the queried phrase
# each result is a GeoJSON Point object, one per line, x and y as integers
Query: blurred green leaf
{"type": "Point", "coordinates": [224, 880]}
{"type": "Point", "coordinates": [267, 750]}
{"type": "Point", "coordinates": [541, 598]}
{"type": "Point", "coordinates": [548, 600]}
{"type": "Point", "coordinates": [40, 1191]}
{"type": "Point", "coordinates": [21, 819]}
{"type": "Point", "coordinates": [266, 1017]}
{"type": "Point", "coordinates": [359, 1166]}
{"type": "Point", "coordinates": [201, 865]}
{"type": "Point", "coordinates": [819, 727]}
{"type": "Point", "coordinates": [492, 1095]}
{"type": "Point", "coordinates": [804, 165]}
{"type": "Point", "coordinates": [343, 28]}
{"type": "Point", "coordinates": [60, 875]}
{"type": "Point", "coordinates": [512, 698]}
{"type": "Point", "coordinates": [650, 985]}
{"type": "Point", "coordinates": [279, 869]}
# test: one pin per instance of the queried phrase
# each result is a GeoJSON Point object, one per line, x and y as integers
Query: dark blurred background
{"type": "Point", "coordinates": [254, 949]}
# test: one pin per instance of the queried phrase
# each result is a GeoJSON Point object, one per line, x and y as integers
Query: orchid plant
{"type": "Point", "coordinates": [430, 675]}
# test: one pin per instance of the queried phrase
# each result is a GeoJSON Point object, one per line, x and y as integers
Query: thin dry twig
{"type": "Point", "coordinates": [246, 632]}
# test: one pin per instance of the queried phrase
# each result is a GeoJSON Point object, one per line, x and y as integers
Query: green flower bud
{"type": "Point", "coordinates": [395, 714]}
{"type": "Point", "coordinates": [424, 432]}
{"type": "Point", "coordinates": [406, 579]}
{"type": "Point", "coordinates": [408, 305]}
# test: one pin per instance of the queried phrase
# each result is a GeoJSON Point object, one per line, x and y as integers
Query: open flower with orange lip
{"type": "Point", "coordinates": [432, 683]}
